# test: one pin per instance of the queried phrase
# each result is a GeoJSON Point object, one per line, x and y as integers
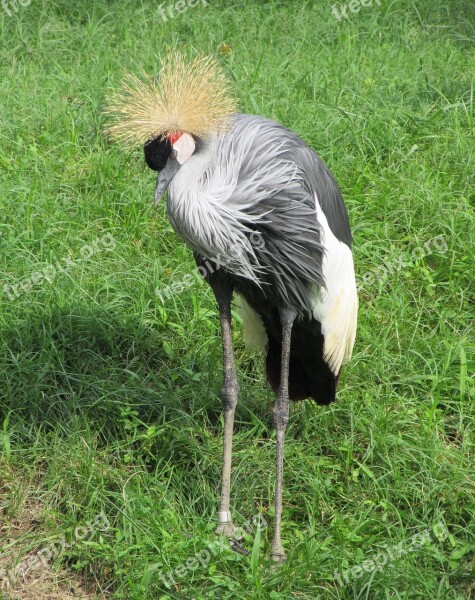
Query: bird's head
{"type": "Point", "coordinates": [166, 155]}
{"type": "Point", "coordinates": [191, 100]}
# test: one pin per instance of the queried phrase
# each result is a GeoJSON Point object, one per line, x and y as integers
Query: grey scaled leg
{"type": "Point", "coordinates": [281, 418]}
{"type": "Point", "coordinates": [229, 394]}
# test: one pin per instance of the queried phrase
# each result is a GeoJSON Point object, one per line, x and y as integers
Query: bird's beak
{"type": "Point", "coordinates": [164, 178]}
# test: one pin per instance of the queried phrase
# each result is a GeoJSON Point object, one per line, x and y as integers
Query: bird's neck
{"type": "Point", "coordinates": [188, 177]}
{"type": "Point", "coordinates": [200, 214]}
{"type": "Point", "coordinates": [187, 207]}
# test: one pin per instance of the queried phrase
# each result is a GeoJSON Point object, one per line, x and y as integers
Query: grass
{"type": "Point", "coordinates": [109, 398]}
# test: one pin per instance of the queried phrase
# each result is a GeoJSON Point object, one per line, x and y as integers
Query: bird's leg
{"type": "Point", "coordinates": [229, 395]}
{"type": "Point", "coordinates": [281, 418]}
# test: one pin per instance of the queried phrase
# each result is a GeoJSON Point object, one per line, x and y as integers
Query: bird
{"type": "Point", "coordinates": [252, 199]}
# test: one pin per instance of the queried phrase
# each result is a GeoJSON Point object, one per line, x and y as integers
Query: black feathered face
{"type": "Point", "coordinates": [157, 152]}
{"type": "Point", "coordinates": [167, 155]}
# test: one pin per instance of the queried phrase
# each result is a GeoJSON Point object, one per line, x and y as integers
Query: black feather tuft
{"type": "Point", "coordinates": [157, 152]}
{"type": "Point", "coordinates": [309, 374]}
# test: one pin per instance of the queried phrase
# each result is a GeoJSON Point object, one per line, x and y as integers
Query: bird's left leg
{"type": "Point", "coordinates": [229, 394]}
{"type": "Point", "coordinates": [281, 418]}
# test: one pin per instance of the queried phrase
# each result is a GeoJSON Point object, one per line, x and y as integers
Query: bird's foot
{"type": "Point", "coordinates": [279, 559]}
{"type": "Point", "coordinates": [278, 554]}
{"type": "Point", "coordinates": [226, 529]}
{"type": "Point", "coordinates": [225, 526]}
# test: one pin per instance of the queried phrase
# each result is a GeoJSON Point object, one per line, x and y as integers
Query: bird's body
{"type": "Point", "coordinates": [254, 202]}
{"type": "Point", "coordinates": [259, 204]}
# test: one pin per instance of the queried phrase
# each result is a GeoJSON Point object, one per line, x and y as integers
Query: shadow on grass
{"type": "Point", "coordinates": [83, 359]}
{"type": "Point", "coordinates": [84, 367]}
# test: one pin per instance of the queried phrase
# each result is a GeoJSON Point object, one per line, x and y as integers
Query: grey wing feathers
{"type": "Point", "coordinates": [279, 179]}
{"type": "Point", "coordinates": [276, 142]}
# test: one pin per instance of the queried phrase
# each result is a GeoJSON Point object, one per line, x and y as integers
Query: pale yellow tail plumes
{"type": "Point", "coordinates": [193, 97]}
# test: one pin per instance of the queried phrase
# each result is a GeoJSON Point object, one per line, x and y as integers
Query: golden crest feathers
{"type": "Point", "coordinates": [193, 97]}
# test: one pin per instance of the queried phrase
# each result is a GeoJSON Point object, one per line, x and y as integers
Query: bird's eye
{"type": "Point", "coordinates": [173, 154]}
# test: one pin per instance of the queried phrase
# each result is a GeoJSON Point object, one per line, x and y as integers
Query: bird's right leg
{"type": "Point", "coordinates": [229, 394]}
{"type": "Point", "coordinates": [281, 418]}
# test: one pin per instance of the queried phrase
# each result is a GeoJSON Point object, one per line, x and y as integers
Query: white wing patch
{"type": "Point", "coordinates": [335, 307]}
{"type": "Point", "coordinates": [255, 334]}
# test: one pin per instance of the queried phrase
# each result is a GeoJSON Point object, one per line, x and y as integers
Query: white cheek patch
{"type": "Point", "coordinates": [184, 146]}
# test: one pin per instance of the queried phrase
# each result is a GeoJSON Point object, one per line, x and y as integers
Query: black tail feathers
{"type": "Point", "coordinates": [309, 376]}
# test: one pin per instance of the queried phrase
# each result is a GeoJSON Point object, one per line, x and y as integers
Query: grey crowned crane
{"type": "Point", "coordinates": [231, 179]}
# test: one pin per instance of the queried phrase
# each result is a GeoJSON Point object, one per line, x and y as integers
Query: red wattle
{"type": "Point", "coordinates": [173, 137]}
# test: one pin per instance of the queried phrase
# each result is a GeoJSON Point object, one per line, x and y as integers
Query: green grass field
{"type": "Point", "coordinates": [110, 418]}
